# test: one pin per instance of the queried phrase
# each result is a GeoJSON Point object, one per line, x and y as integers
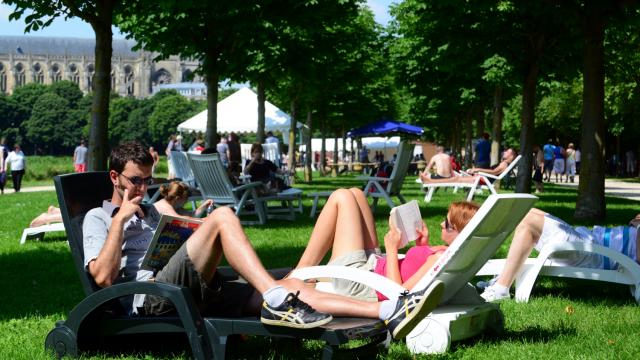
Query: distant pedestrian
{"type": "Point", "coordinates": [17, 161]}
{"type": "Point", "coordinates": [559, 155]}
{"type": "Point", "coordinates": [175, 144]}
{"type": "Point", "coordinates": [234, 154]}
{"type": "Point", "coordinates": [630, 162]}
{"type": "Point", "coordinates": [80, 157]}
{"type": "Point", "coordinates": [271, 139]}
{"type": "Point", "coordinates": [547, 152]}
{"type": "Point", "coordinates": [156, 159]}
{"type": "Point", "coordinates": [570, 168]}
{"type": "Point", "coordinates": [483, 152]}
{"type": "Point", "coordinates": [578, 157]}
{"type": "Point", "coordinates": [538, 164]}
{"type": "Point", "coordinates": [223, 151]}
{"type": "Point", "coordinates": [5, 148]}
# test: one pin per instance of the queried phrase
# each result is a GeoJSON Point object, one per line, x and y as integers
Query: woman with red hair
{"type": "Point", "coordinates": [347, 228]}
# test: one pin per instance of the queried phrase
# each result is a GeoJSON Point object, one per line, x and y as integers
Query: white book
{"type": "Point", "coordinates": [408, 219]}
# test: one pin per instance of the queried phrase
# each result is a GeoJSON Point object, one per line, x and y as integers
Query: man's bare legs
{"type": "Point", "coordinates": [342, 227]}
{"type": "Point", "coordinates": [525, 238]}
{"type": "Point", "coordinates": [221, 233]}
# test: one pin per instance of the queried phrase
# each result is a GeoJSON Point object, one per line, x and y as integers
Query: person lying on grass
{"type": "Point", "coordinates": [117, 235]}
{"type": "Point", "coordinates": [346, 228]}
{"type": "Point", "coordinates": [539, 228]}
{"type": "Point", "coordinates": [174, 196]}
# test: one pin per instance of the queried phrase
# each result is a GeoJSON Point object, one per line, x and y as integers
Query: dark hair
{"type": "Point", "coordinates": [485, 135]}
{"type": "Point", "coordinates": [209, 150]}
{"type": "Point", "coordinates": [129, 151]}
{"type": "Point", "coordinates": [257, 147]}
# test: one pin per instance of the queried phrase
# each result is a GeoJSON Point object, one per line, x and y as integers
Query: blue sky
{"type": "Point", "coordinates": [77, 28]}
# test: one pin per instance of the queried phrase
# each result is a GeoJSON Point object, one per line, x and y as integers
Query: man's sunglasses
{"type": "Point", "coordinates": [139, 181]}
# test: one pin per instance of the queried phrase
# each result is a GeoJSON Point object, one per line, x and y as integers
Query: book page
{"type": "Point", "coordinates": [408, 219]}
{"type": "Point", "coordinates": [171, 233]}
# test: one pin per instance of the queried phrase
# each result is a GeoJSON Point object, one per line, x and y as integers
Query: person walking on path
{"type": "Point", "coordinates": [570, 168]}
{"type": "Point", "coordinates": [175, 144]}
{"type": "Point", "coordinates": [156, 159]}
{"type": "Point", "coordinates": [548, 150]}
{"type": "Point", "coordinates": [558, 164]}
{"type": "Point", "coordinates": [17, 161]}
{"type": "Point", "coordinates": [483, 152]}
{"type": "Point", "coordinates": [80, 158]}
{"type": "Point", "coordinates": [223, 151]}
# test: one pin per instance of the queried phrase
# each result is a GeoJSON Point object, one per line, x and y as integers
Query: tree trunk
{"type": "Point", "coordinates": [292, 138]}
{"type": "Point", "coordinates": [261, 99]}
{"type": "Point", "coordinates": [480, 123]}
{"type": "Point", "coordinates": [323, 156]}
{"type": "Point", "coordinates": [590, 204]}
{"type": "Point", "coordinates": [212, 78]}
{"type": "Point", "coordinates": [455, 137]}
{"type": "Point", "coordinates": [99, 128]}
{"type": "Point", "coordinates": [308, 173]}
{"type": "Point", "coordinates": [468, 131]}
{"type": "Point", "coordinates": [498, 116]}
{"type": "Point", "coordinates": [523, 182]}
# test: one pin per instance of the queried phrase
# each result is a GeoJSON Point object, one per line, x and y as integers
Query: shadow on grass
{"type": "Point", "coordinates": [38, 280]}
{"type": "Point", "coordinates": [589, 292]}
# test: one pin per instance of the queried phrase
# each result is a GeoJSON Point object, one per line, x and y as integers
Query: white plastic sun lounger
{"type": "Point", "coordinates": [465, 314]}
{"type": "Point", "coordinates": [39, 231]}
{"type": "Point", "coordinates": [627, 272]}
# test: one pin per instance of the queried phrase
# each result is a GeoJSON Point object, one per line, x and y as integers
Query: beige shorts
{"type": "Point", "coordinates": [359, 259]}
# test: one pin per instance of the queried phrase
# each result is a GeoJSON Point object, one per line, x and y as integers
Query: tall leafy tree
{"type": "Point", "coordinates": [99, 14]}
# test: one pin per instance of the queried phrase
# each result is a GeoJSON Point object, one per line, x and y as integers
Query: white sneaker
{"type": "Point", "coordinates": [491, 294]}
{"type": "Point", "coordinates": [482, 285]}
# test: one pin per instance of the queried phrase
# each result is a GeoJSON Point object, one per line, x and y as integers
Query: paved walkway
{"type": "Point", "coordinates": [9, 190]}
{"type": "Point", "coordinates": [614, 187]}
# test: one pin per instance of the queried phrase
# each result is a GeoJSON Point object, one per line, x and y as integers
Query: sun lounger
{"type": "Point", "coordinates": [38, 231]}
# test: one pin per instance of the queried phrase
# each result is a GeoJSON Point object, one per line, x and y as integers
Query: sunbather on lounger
{"type": "Point", "coordinates": [117, 235]}
{"type": "Point", "coordinates": [174, 196]}
{"type": "Point", "coordinates": [507, 158]}
{"type": "Point", "coordinates": [346, 227]}
{"type": "Point", "coordinates": [441, 161]}
{"type": "Point", "coordinates": [51, 216]}
{"type": "Point", "coordinates": [539, 228]}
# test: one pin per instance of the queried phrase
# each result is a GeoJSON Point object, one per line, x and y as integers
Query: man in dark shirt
{"type": "Point", "coordinates": [483, 152]}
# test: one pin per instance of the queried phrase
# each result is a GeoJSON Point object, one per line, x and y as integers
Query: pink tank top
{"type": "Point", "coordinates": [413, 260]}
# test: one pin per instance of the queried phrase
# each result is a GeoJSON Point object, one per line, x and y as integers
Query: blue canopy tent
{"type": "Point", "coordinates": [385, 127]}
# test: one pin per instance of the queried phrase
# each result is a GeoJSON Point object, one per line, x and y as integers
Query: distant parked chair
{"type": "Point", "coordinates": [38, 231]}
{"type": "Point", "coordinates": [183, 172]}
{"type": "Point", "coordinates": [215, 185]}
{"type": "Point", "coordinates": [382, 187]}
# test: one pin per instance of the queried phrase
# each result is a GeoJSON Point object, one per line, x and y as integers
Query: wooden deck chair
{"type": "Point", "coordinates": [183, 171]}
{"type": "Point", "coordinates": [375, 186]}
{"type": "Point", "coordinates": [99, 315]}
{"type": "Point", "coordinates": [627, 271]}
{"type": "Point", "coordinates": [39, 231]}
{"type": "Point", "coordinates": [215, 184]}
{"type": "Point", "coordinates": [463, 315]}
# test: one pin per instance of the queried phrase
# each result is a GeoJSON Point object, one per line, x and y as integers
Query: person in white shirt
{"type": "Point", "coordinates": [271, 139]}
{"type": "Point", "coordinates": [3, 174]}
{"type": "Point", "coordinates": [17, 162]}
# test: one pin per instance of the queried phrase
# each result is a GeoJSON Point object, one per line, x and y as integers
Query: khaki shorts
{"type": "Point", "coordinates": [359, 259]}
{"type": "Point", "coordinates": [219, 297]}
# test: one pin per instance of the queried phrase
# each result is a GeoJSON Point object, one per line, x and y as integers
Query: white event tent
{"type": "Point", "coordinates": [372, 143]}
{"type": "Point", "coordinates": [239, 113]}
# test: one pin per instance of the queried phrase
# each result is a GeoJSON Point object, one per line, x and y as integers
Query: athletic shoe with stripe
{"type": "Point", "coordinates": [413, 307]}
{"type": "Point", "coordinates": [294, 313]}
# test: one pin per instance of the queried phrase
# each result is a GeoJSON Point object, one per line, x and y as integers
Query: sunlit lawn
{"type": "Point", "coordinates": [39, 286]}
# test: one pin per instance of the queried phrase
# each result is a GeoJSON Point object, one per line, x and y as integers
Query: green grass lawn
{"type": "Point", "coordinates": [40, 286]}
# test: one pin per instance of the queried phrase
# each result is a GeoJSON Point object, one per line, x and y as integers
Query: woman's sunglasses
{"type": "Point", "coordinates": [447, 224]}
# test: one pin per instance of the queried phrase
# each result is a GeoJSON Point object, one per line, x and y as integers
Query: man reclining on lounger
{"type": "Point", "coordinates": [539, 228]}
{"type": "Point", "coordinates": [117, 236]}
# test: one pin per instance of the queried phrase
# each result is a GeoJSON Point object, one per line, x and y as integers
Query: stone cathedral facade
{"type": "Point", "coordinates": [45, 60]}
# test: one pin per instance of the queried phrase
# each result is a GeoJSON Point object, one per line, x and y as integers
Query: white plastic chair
{"type": "Point", "coordinates": [39, 231]}
{"type": "Point", "coordinates": [627, 272]}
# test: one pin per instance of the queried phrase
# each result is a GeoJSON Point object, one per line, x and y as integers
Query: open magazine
{"type": "Point", "coordinates": [407, 218]}
{"type": "Point", "coordinates": [171, 233]}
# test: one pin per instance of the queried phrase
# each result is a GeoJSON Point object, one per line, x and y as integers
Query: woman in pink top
{"type": "Point", "coordinates": [347, 228]}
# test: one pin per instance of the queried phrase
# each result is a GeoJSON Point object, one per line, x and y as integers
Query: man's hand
{"type": "Point", "coordinates": [129, 207]}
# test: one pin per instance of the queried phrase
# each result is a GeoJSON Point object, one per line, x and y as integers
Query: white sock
{"type": "Point", "coordinates": [499, 289]}
{"type": "Point", "coordinates": [275, 296]}
{"type": "Point", "coordinates": [386, 309]}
